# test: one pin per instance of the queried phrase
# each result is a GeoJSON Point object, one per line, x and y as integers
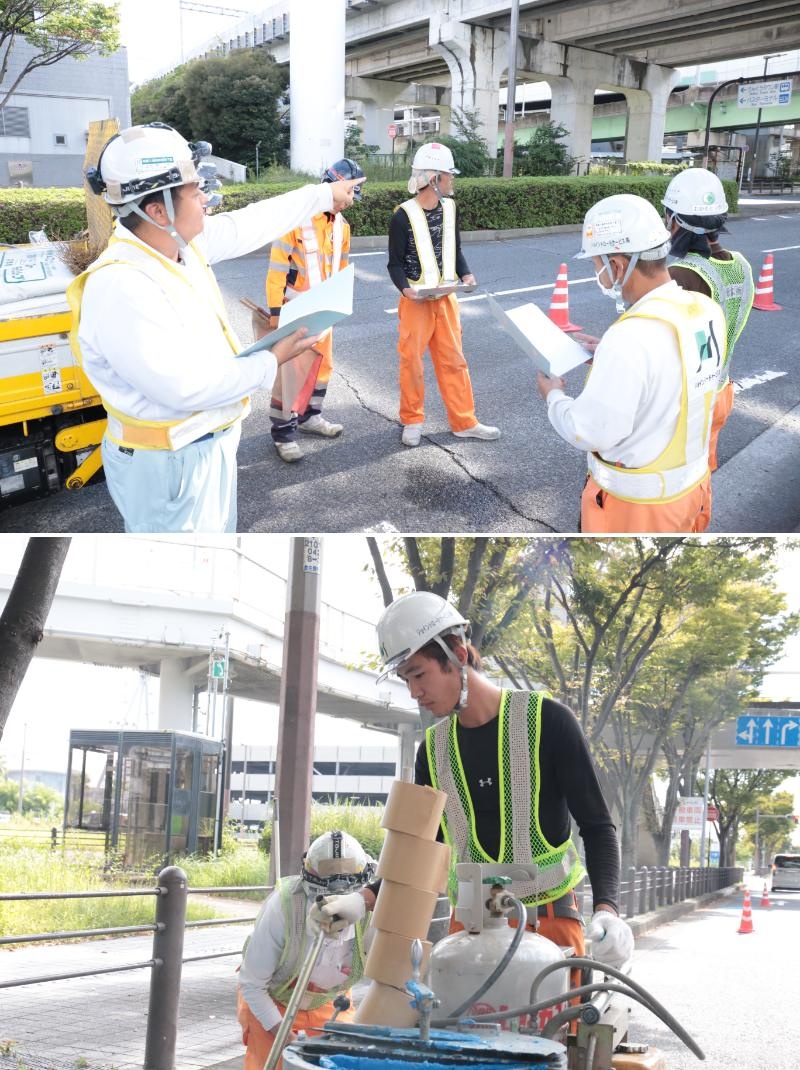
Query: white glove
{"type": "Point", "coordinates": [612, 938]}
{"type": "Point", "coordinates": [336, 912]}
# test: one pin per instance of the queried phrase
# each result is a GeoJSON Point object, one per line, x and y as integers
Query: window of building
{"type": "Point", "coordinates": [60, 140]}
{"type": "Point", "coordinates": [14, 122]}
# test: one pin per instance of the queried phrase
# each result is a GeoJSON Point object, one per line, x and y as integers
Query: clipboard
{"type": "Point", "coordinates": [445, 289]}
{"type": "Point", "coordinates": [551, 350]}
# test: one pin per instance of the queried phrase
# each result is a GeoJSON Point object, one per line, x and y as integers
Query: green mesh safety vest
{"type": "Point", "coordinates": [521, 838]}
{"type": "Point", "coordinates": [294, 902]}
{"type": "Point", "coordinates": [732, 287]}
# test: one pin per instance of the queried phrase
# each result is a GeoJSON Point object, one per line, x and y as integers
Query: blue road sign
{"type": "Point", "coordinates": [767, 731]}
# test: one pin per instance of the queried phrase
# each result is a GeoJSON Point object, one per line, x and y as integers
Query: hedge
{"type": "Point", "coordinates": [483, 203]}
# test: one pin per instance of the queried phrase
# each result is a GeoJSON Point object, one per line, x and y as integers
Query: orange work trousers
{"type": "Point", "coordinates": [259, 1042]}
{"type": "Point", "coordinates": [297, 379]}
{"type": "Point", "coordinates": [602, 513]}
{"type": "Point", "coordinates": [434, 325]}
{"type": "Point", "coordinates": [722, 410]}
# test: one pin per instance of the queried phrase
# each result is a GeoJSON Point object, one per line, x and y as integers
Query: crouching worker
{"type": "Point", "coordinates": [283, 934]}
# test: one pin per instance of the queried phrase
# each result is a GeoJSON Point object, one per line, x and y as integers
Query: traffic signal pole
{"type": "Point", "coordinates": [298, 701]}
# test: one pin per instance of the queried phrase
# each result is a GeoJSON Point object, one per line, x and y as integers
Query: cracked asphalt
{"type": "Point", "coordinates": [528, 480]}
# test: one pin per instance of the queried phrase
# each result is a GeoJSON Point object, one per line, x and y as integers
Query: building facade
{"type": "Point", "coordinates": [45, 123]}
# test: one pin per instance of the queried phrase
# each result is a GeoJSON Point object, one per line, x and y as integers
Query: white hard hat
{"type": "Point", "coordinates": [695, 192]}
{"type": "Point", "coordinates": [412, 621]}
{"type": "Point", "coordinates": [142, 160]}
{"type": "Point", "coordinates": [434, 157]}
{"type": "Point", "coordinates": [625, 224]}
{"type": "Point", "coordinates": [335, 862]}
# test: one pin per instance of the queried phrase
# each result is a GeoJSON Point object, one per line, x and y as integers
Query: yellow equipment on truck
{"type": "Point", "coordinates": [51, 417]}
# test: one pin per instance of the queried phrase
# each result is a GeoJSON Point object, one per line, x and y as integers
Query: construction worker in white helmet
{"type": "Point", "coordinates": [151, 330]}
{"type": "Point", "coordinates": [425, 251]}
{"type": "Point", "coordinates": [696, 212]}
{"type": "Point", "coordinates": [335, 862]}
{"type": "Point", "coordinates": [304, 257]}
{"type": "Point", "coordinates": [644, 415]}
{"type": "Point", "coordinates": [485, 738]}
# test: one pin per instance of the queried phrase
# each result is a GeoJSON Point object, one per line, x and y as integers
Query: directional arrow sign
{"type": "Point", "coordinates": [767, 731]}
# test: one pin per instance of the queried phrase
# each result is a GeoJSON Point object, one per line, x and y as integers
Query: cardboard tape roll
{"type": "Point", "coordinates": [403, 910]}
{"type": "Point", "coordinates": [414, 808]}
{"type": "Point", "coordinates": [386, 1005]}
{"type": "Point", "coordinates": [389, 959]}
{"type": "Point", "coordinates": [410, 860]}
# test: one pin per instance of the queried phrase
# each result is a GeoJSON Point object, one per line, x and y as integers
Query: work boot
{"type": "Point", "coordinates": [483, 431]}
{"type": "Point", "coordinates": [289, 451]}
{"type": "Point", "coordinates": [318, 425]}
{"type": "Point", "coordinates": [412, 433]}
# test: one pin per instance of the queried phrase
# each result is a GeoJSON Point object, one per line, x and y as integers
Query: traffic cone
{"type": "Point", "coordinates": [765, 896]}
{"type": "Point", "coordinates": [765, 298]}
{"type": "Point", "coordinates": [746, 924]}
{"type": "Point", "coordinates": [559, 302]}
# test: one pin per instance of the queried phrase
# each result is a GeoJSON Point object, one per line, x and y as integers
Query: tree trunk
{"type": "Point", "coordinates": [23, 619]}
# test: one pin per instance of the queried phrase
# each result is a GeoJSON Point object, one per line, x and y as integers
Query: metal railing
{"type": "Point", "coordinates": [167, 958]}
{"type": "Point", "coordinates": [650, 887]}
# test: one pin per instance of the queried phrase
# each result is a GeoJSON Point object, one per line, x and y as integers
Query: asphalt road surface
{"type": "Point", "coordinates": [527, 481]}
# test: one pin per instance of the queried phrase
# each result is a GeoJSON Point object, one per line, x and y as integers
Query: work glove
{"type": "Point", "coordinates": [612, 938]}
{"type": "Point", "coordinates": [336, 912]}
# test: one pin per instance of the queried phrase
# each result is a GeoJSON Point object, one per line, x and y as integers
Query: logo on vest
{"type": "Point", "coordinates": [485, 783]}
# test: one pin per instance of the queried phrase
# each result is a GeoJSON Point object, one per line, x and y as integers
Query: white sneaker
{"type": "Point", "coordinates": [289, 451]}
{"type": "Point", "coordinates": [483, 431]}
{"type": "Point", "coordinates": [318, 425]}
{"type": "Point", "coordinates": [412, 433]}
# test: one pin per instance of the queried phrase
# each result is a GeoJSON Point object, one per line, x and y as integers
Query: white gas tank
{"type": "Point", "coordinates": [460, 963]}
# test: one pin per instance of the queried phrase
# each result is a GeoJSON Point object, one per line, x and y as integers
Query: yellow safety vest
{"type": "Point", "coordinates": [124, 429]}
{"type": "Point", "coordinates": [683, 464]}
{"type": "Point", "coordinates": [431, 276]}
{"type": "Point", "coordinates": [295, 907]}
{"type": "Point", "coordinates": [521, 837]}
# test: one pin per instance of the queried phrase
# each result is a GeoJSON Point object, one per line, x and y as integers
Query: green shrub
{"type": "Point", "coordinates": [483, 203]}
{"type": "Point", "coordinates": [363, 822]}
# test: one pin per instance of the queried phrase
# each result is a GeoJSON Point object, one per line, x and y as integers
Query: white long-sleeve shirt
{"type": "Point", "coordinates": [161, 354]}
{"type": "Point", "coordinates": [628, 410]}
{"type": "Point", "coordinates": [264, 949]}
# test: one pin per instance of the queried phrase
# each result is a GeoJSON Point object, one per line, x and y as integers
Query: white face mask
{"type": "Point", "coordinates": [614, 292]}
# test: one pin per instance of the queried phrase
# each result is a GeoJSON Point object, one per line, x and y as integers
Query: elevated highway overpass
{"type": "Point", "coordinates": [455, 53]}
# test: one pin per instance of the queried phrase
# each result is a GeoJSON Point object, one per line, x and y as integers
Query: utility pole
{"type": "Point", "coordinates": [511, 95]}
{"type": "Point", "coordinates": [298, 702]}
{"type": "Point", "coordinates": [774, 55]}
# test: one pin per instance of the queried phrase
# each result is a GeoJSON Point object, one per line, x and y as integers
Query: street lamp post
{"type": "Point", "coordinates": [511, 95]}
{"type": "Point", "coordinates": [258, 146]}
{"type": "Point", "coordinates": [774, 55]}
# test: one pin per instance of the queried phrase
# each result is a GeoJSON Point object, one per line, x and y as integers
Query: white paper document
{"type": "Point", "coordinates": [551, 349]}
{"type": "Point", "coordinates": [317, 309]}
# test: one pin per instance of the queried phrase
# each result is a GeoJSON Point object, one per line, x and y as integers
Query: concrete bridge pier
{"type": "Point", "coordinates": [477, 59]}
{"type": "Point", "coordinates": [373, 102]}
{"type": "Point", "coordinates": [175, 694]}
{"type": "Point", "coordinates": [647, 113]}
{"type": "Point", "coordinates": [317, 89]}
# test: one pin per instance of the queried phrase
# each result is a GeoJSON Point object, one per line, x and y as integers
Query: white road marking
{"type": "Point", "coordinates": [383, 527]}
{"type": "Point", "coordinates": [378, 252]}
{"type": "Point", "coordinates": [505, 293]}
{"type": "Point", "coordinates": [781, 248]}
{"type": "Point", "coordinates": [755, 380]}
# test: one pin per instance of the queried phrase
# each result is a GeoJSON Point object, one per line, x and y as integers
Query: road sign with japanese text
{"type": "Point", "coordinates": [764, 94]}
{"type": "Point", "coordinates": [689, 814]}
{"type": "Point", "coordinates": [767, 731]}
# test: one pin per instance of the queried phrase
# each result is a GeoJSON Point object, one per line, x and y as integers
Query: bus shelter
{"type": "Point", "coordinates": [151, 796]}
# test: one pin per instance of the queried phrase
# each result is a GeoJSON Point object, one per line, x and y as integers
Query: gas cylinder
{"type": "Point", "coordinates": [461, 962]}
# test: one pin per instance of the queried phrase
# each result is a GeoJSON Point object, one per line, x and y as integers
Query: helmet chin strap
{"type": "Point", "coordinates": [169, 205]}
{"type": "Point", "coordinates": [462, 668]}
{"type": "Point", "coordinates": [615, 290]}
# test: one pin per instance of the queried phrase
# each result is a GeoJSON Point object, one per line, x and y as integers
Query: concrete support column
{"type": "Point", "coordinates": [373, 102]}
{"type": "Point", "coordinates": [317, 89]}
{"type": "Point", "coordinates": [175, 695]}
{"type": "Point", "coordinates": [407, 752]}
{"type": "Point", "coordinates": [573, 107]}
{"type": "Point", "coordinates": [647, 113]}
{"type": "Point", "coordinates": [477, 58]}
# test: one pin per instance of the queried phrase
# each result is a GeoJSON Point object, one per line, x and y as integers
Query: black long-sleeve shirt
{"type": "Point", "coordinates": [404, 262]}
{"type": "Point", "coordinates": [568, 785]}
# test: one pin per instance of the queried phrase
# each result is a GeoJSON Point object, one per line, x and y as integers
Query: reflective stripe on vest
{"type": "Point", "coordinates": [431, 276]}
{"type": "Point", "coordinates": [316, 270]}
{"type": "Point", "coordinates": [732, 287]}
{"type": "Point", "coordinates": [294, 903]}
{"type": "Point", "coordinates": [521, 838]}
{"type": "Point", "coordinates": [684, 462]}
{"type": "Point", "coordinates": [130, 431]}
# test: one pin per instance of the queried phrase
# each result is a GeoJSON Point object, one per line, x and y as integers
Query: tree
{"type": "Point", "coordinates": [354, 146]}
{"type": "Point", "coordinates": [470, 151]}
{"type": "Point", "coordinates": [23, 618]}
{"type": "Point", "coordinates": [233, 101]}
{"type": "Point", "coordinates": [738, 794]}
{"type": "Point", "coordinates": [41, 801]}
{"type": "Point", "coordinates": [56, 29]}
{"type": "Point", "coordinates": [542, 154]}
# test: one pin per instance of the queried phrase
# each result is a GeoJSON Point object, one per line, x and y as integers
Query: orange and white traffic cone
{"type": "Point", "coordinates": [746, 924]}
{"type": "Point", "coordinates": [559, 302]}
{"type": "Point", "coordinates": [765, 297]}
{"type": "Point", "coordinates": [765, 896]}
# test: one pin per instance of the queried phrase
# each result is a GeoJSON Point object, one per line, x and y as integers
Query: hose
{"type": "Point", "coordinates": [522, 921]}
